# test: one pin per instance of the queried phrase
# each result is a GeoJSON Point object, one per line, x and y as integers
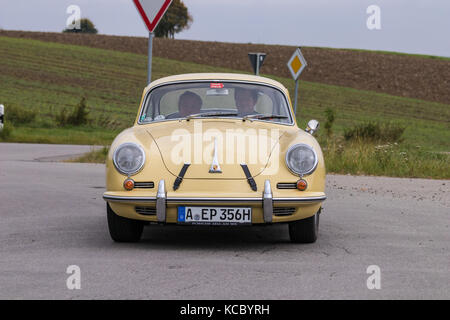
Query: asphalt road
{"type": "Point", "coordinates": [52, 215]}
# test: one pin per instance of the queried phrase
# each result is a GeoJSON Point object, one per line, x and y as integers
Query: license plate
{"type": "Point", "coordinates": [214, 215]}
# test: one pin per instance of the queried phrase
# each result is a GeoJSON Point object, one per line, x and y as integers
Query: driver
{"type": "Point", "coordinates": [189, 103]}
{"type": "Point", "coordinates": [245, 101]}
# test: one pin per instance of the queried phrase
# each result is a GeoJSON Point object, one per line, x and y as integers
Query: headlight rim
{"type": "Point", "coordinates": [313, 168]}
{"type": "Point", "coordinates": [132, 173]}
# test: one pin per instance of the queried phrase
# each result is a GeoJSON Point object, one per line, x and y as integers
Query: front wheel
{"type": "Point", "coordinates": [123, 229]}
{"type": "Point", "coordinates": [305, 230]}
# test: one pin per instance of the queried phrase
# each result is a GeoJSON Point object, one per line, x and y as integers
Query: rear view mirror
{"type": "Point", "coordinates": [217, 92]}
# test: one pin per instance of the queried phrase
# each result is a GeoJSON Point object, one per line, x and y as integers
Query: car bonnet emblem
{"type": "Point", "coordinates": [215, 167]}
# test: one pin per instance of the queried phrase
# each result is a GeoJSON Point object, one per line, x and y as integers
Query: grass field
{"type": "Point", "coordinates": [405, 75]}
{"type": "Point", "coordinates": [44, 77]}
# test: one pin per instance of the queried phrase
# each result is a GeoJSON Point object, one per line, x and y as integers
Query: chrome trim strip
{"type": "Point", "coordinates": [286, 185]}
{"type": "Point", "coordinates": [211, 200]}
{"type": "Point", "coordinates": [214, 200]}
{"type": "Point", "coordinates": [305, 199]}
{"type": "Point", "coordinates": [161, 197]}
{"type": "Point", "coordinates": [144, 185]}
{"type": "Point", "coordinates": [267, 202]}
{"type": "Point", "coordinates": [128, 199]}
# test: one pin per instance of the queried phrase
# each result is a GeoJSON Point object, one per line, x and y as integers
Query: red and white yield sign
{"type": "Point", "coordinates": [152, 11]}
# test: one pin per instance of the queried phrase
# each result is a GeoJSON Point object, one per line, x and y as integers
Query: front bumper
{"type": "Point", "coordinates": [267, 202]}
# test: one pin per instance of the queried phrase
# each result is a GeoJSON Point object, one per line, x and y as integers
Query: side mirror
{"type": "Point", "coordinates": [313, 126]}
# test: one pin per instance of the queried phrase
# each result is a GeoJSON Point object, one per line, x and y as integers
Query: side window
{"type": "Point", "coordinates": [149, 109]}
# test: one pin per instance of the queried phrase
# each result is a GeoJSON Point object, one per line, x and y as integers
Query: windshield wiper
{"type": "Point", "coordinates": [210, 114]}
{"type": "Point", "coordinates": [263, 116]}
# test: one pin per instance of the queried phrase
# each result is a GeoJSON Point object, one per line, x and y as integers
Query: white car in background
{"type": "Point", "coordinates": [2, 112]}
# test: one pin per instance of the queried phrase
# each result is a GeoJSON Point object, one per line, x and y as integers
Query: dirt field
{"type": "Point", "coordinates": [401, 75]}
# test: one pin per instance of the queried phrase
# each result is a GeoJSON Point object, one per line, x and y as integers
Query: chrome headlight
{"type": "Point", "coordinates": [129, 158]}
{"type": "Point", "coordinates": [301, 159]}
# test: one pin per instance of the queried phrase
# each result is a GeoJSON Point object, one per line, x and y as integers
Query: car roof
{"type": "Point", "coordinates": [216, 77]}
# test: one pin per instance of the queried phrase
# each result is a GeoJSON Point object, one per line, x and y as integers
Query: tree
{"type": "Point", "coordinates": [176, 19]}
{"type": "Point", "coordinates": [86, 26]}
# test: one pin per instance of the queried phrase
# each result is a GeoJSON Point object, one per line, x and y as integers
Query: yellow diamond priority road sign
{"type": "Point", "coordinates": [296, 64]}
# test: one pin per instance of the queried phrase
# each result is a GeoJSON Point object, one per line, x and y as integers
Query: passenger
{"type": "Point", "coordinates": [189, 103]}
{"type": "Point", "coordinates": [245, 101]}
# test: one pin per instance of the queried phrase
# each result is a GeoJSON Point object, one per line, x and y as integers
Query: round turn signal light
{"type": "Point", "coordinates": [302, 185]}
{"type": "Point", "coordinates": [128, 184]}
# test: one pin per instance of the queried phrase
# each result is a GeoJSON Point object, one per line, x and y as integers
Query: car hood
{"type": "Point", "coordinates": [235, 142]}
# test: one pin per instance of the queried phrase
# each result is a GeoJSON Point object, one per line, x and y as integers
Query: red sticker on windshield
{"type": "Point", "coordinates": [216, 85]}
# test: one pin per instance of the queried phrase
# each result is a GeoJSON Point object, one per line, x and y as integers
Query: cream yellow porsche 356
{"type": "Point", "coordinates": [215, 149]}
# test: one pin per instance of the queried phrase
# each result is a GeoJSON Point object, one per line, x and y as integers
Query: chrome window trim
{"type": "Point", "coordinates": [140, 167]}
{"type": "Point", "coordinates": [292, 117]}
{"type": "Point", "coordinates": [316, 162]}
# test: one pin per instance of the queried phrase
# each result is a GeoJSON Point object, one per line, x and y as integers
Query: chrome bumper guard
{"type": "Point", "coordinates": [267, 202]}
{"type": "Point", "coordinates": [161, 201]}
{"type": "Point", "coordinates": [161, 198]}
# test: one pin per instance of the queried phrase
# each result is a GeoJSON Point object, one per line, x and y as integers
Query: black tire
{"type": "Point", "coordinates": [305, 230]}
{"type": "Point", "coordinates": [123, 229]}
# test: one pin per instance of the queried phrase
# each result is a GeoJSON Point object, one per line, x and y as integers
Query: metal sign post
{"type": "Point", "coordinates": [296, 65]}
{"type": "Point", "coordinates": [150, 56]}
{"type": "Point", "coordinates": [296, 96]}
{"type": "Point", "coordinates": [151, 12]}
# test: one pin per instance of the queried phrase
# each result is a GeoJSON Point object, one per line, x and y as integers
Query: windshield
{"type": "Point", "coordinates": [252, 102]}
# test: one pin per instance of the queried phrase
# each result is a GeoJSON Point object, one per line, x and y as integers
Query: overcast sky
{"type": "Point", "coordinates": [413, 26]}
